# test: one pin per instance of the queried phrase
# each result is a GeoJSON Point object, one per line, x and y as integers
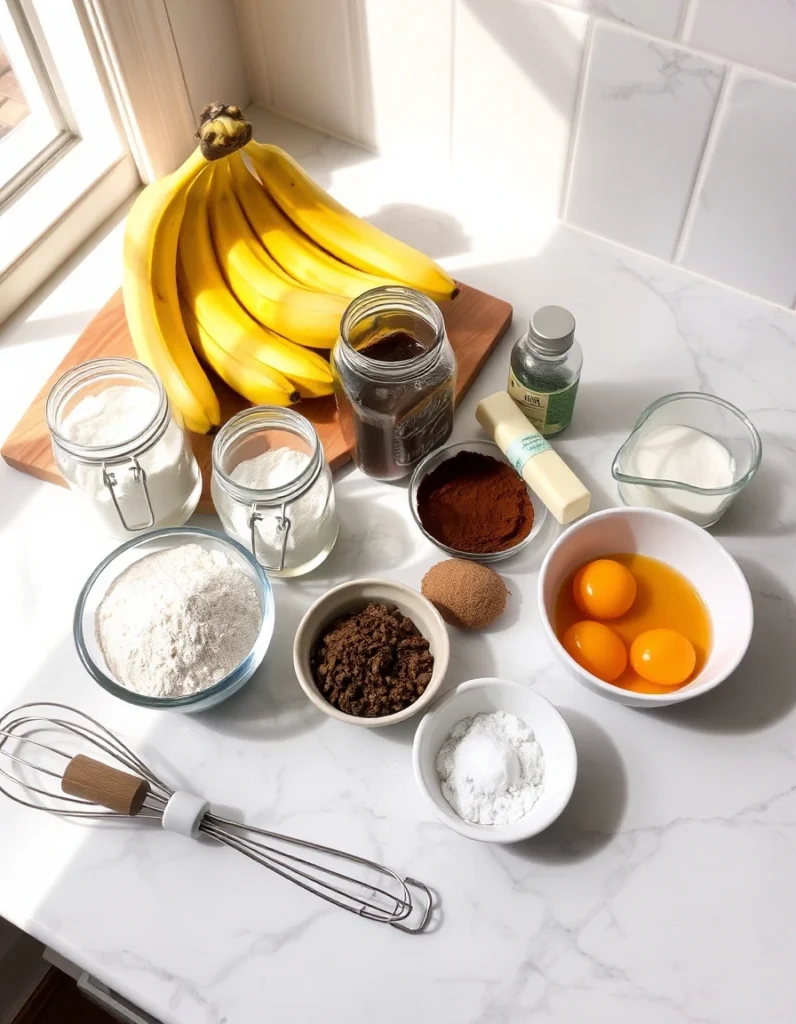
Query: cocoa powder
{"type": "Point", "coordinates": [475, 504]}
{"type": "Point", "coordinates": [372, 663]}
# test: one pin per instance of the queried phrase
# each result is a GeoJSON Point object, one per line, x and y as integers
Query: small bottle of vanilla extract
{"type": "Point", "coordinates": [545, 370]}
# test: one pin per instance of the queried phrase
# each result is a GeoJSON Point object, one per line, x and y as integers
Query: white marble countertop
{"type": "Point", "coordinates": [665, 894]}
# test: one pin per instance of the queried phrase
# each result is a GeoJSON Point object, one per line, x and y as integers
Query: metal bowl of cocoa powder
{"type": "Point", "coordinates": [469, 502]}
{"type": "Point", "coordinates": [371, 652]}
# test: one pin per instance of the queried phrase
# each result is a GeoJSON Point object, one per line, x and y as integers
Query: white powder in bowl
{"type": "Point", "coordinates": [491, 769]}
{"type": "Point", "coordinates": [178, 621]}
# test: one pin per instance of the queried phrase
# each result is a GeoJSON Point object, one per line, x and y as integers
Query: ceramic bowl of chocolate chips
{"type": "Point", "coordinates": [371, 652]}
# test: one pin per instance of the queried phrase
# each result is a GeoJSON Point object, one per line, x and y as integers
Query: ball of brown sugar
{"type": "Point", "coordinates": [466, 594]}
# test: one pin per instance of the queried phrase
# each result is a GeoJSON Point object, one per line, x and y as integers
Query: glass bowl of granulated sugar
{"type": "Point", "coordinates": [178, 619]}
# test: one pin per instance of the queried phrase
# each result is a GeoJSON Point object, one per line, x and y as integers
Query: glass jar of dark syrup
{"type": "Point", "coordinates": [394, 380]}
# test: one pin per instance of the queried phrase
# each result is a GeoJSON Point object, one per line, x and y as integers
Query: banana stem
{"type": "Point", "coordinates": [222, 130]}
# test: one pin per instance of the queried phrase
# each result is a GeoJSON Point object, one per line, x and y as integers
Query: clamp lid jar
{"type": "Point", "coordinates": [121, 446]}
{"type": "Point", "coordinates": [394, 380]}
{"type": "Point", "coordinates": [272, 488]}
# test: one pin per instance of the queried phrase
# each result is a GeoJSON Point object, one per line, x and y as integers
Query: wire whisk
{"type": "Point", "coordinates": [77, 785]}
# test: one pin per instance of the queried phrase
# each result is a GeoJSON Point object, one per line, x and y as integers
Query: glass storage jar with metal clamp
{"type": "Point", "coordinates": [121, 446]}
{"type": "Point", "coordinates": [272, 488]}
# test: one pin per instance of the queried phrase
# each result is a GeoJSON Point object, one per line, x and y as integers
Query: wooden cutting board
{"type": "Point", "coordinates": [474, 320]}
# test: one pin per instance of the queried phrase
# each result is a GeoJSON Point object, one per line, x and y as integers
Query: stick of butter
{"type": "Point", "coordinates": [541, 468]}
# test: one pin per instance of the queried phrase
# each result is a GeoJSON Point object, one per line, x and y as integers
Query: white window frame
{"type": "Point", "coordinates": [131, 46]}
{"type": "Point", "coordinates": [43, 130]}
{"type": "Point", "coordinates": [84, 171]}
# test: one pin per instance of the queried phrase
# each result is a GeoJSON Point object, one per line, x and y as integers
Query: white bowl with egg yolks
{"type": "Point", "coordinates": [685, 547]}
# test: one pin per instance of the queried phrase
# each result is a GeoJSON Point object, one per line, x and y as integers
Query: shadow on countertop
{"type": "Point", "coordinates": [765, 508]}
{"type": "Point", "coordinates": [271, 705]}
{"type": "Point", "coordinates": [597, 806]}
{"type": "Point", "coordinates": [436, 233]}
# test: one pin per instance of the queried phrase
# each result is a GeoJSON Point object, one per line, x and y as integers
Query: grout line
{"type": "Point", "coordinates": [262, 49]}
{"type": "Point", "coordinates": [248, 64]}
{"type": "Point", "coordinates": [356, 105]}
{"type": "Point", "coordinates": [451, 111]}
{"type": "Point", "coordinates": [704, 165]}
{"type": "Point", "coordinates": [681, 269]}
{"type": "Point", "coordinates": [569, 167]}
{"type": "Point", "coordinates": [256, 57]}
{"type": "Point", "coordinates": [686, 19]}
{"type": "Point", "coordinates": [179, 59]}
{"type": "Point", "coordinates": [715, 58]}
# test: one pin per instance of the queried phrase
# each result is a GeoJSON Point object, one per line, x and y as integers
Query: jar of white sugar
{"type": "Point", "coordinates": [272, 488]}
{"type": "Point", "coordinates": [122, 447]}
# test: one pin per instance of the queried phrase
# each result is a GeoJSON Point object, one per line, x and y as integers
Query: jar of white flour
{"type": "Point", "coordinates": [120, 445]}
{"type": "Point", "coordinates": [272, 488]}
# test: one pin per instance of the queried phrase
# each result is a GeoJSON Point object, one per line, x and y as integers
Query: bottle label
{"type": "Point", "coordinates": [549, 411]}
{"type": "Point", "coordinates": [522, 449]}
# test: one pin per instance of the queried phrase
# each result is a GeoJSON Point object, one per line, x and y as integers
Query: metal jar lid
{"type": "Point", "coordinates": [552, 330]}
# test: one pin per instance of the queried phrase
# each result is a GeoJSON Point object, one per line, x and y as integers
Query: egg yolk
{"type": "Point", "coordinates": [604, 588]}
{"type": "Point", "coordinates": [597, 648]}
{"type": "Point", "coordinates": [663, 656]}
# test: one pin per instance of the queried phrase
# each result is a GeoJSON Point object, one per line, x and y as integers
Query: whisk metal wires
{"type": "Point", "coordinates": [37, 771]}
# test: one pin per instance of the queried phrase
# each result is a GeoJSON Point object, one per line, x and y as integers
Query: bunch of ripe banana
{"type": "Point", "coordinates": [249, 274]}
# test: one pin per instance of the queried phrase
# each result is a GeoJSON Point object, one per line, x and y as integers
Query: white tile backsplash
{"type": "Point", "coordinates": [660, 17]}
{"type": "Point", "coordinates": [608, 105]}
{"type": "Point", "coordinates": [310, 55]}
{"type": "Point", "coordinates": [252, 39]}
{"type": "Point", "coordinates": [405, 85]}
{"type": "Point", "coordinates": [209, 45]}
{"type": "Point", "coordinates": [744, 222]}
{"type": "Point", "coordinates": [757, 32]}
{"type": "Point", "coordinates": [646, 110]}
{"type": "Point", "coordinates": [517, 66]}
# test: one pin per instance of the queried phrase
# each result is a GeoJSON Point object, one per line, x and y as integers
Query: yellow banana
{"type": "Point", "coordinates": [260, 384]}
{"type": "Point", "coordinates": [339, 231]}
{"type": "Point", "coordinates": [205, 292]}
{"type": "Point", "coordinates": [311, 388]}
{"type": "Point", "coordinates": [305, 261]}
{"type": "Point", "coordinates": [150, 296]}
{"type": "Point", "coordinates": [306, 317]}
{"type": "Point", "coordinates": [247, 231]}
{"type": "Point", "coordinates": [149, 278]}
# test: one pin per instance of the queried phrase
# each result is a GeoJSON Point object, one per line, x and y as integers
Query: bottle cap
{"type": "Point", "coordinates": [552, 330]}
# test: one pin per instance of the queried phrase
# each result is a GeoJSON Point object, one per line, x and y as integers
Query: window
{"type": "Point", "coordinates": [64, 161]}
{"type": "Point", "coordinates": [30, 120]}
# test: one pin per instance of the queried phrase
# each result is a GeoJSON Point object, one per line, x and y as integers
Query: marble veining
{"type": "Point", "coordinates": [663, 895]}
{"type": "Point", "coordinates": [660, 18]}
{"type": "Point", "coordinates": [674, 71]}
{"type": "Point", "coordinates": [645, 115]}
{"type": "Point", "coordinates": [744, 219]}
{"type": "Point", "coordinates": [760, 34]}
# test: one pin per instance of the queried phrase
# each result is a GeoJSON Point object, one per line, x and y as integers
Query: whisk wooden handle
{"type": "Point", "coordinates": [109, 787]}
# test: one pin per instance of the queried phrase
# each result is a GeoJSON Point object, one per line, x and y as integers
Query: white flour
{"type": "Point", "coordinates": [113, 417]}
{"type": "Point", "coordinates": [177, 621]}
{"type": "Point", "coordinates": [491, 769]}
{"type": "Point", "coordinates": [313, 521]}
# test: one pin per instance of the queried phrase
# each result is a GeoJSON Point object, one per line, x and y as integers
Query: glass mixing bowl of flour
{"type": "Point", "coordinates": [239, 571]}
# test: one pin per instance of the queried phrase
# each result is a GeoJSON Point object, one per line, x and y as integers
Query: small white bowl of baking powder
{"type": "Point", "coordinates": [496, 750]}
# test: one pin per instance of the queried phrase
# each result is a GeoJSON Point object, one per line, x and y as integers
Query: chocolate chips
{"type": "Point", "coordinates": [372, 663]}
